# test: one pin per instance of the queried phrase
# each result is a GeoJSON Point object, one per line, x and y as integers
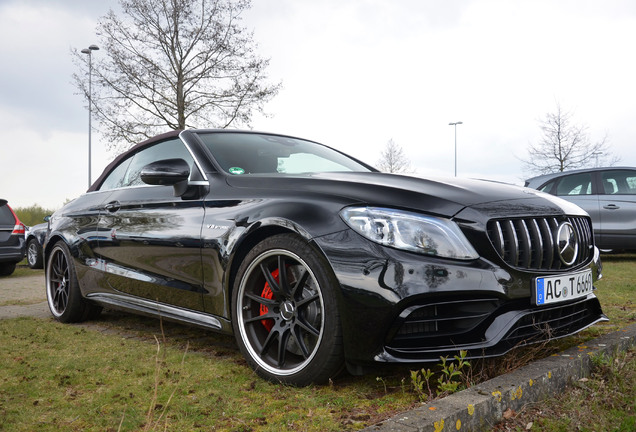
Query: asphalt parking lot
{"type": "Point", "coordinates": [23, 296]}
{"type": "Point", "coordinates": [474, 409]}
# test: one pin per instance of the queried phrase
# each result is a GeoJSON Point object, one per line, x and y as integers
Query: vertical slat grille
{"type": "Point", "coordinates": [529, 243]}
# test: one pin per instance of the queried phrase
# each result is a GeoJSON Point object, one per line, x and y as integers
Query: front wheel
{"type": "Point", "coordinates": [62, 288]}
{"type": "Point", "coordinates": [286, 318]}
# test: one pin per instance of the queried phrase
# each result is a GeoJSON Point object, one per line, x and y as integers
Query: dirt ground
{"type": "Point", "coordinates": [23, 296]}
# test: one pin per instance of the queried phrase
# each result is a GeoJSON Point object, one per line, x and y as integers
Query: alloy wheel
{"type": "Point", "coordinates": [58, 282]}
{"type": "Point", "coordinates": [281, 312]}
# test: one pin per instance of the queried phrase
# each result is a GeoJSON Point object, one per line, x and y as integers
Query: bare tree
{"type": "Point", "coordinates": [174, 64]}
{"type": "Point", "coordinates": [393, 159]}
{"type": "Point", "coordinates": [565, 145]}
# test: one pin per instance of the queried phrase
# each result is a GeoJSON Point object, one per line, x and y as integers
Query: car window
{"type": "Point", "coordinates": [6, 217]}
{"type": "Point", "coordinates": [241, 153]}
{"type": "Point", "coordinates": [547, 187]}
{"type": "Point", "coordinates": [127, 173]}
{"type": "Point", "coordinates": [619, 182]}
{"type": "Point", "coordinates": [576, 184]}
{"type": "Point", "coordinates": [116, 177]}
{"type": "Point", "coordinates": [171, 149]}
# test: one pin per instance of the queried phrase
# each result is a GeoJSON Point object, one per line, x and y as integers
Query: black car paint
{"type": "Point", "coordinates": [379, 283]}
{"type": "Point", "coordinates": [186, 249]}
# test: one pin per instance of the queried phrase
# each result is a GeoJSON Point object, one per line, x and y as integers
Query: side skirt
{"type": "Point", "coordinates": [157, 309]}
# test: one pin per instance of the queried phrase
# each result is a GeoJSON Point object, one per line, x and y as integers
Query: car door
{"type": "Point", "coordinates": [617, 208]}
{"type": "Point", "coordinates": [152, 242]}
{"type": "Point", "coordinates": [578, 189]}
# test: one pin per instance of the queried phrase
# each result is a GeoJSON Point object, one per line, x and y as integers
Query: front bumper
{"type": "Point", "coordinates": [398, 306]}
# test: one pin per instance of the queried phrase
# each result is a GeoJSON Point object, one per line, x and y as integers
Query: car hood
{"type": "Point", "coordinates": [445, 197]}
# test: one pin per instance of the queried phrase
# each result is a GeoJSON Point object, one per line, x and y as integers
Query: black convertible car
{"type": "Point", "coordinates": [314, 260]}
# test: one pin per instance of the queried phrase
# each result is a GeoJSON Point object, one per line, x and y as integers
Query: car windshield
{"type": "Point", "coordinates": [250, 153]}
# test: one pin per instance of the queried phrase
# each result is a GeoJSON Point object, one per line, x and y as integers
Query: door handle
{"type": "Point", "coordinates": [112, 206]}
{"type": "Point", "coordinates": [611, 207]}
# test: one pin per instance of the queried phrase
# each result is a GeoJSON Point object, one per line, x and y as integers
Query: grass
{"type": "Point", "coordinates": [606, 401]}
{"type": "Point", "coordinates": [617, 290]}
{"type": "Point", "coordinates": [22, 269]}
{"type": "Point", "coordinates": [130, 373]}
{"type": "Point", "coordinates": [63, 378]}
{"type": "Point", "coordinates": [26, 271]}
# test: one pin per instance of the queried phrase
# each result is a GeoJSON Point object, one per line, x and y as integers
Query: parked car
{"type": "Point", "coordinates": [11, 239]}
{"type": "Point", "coordinates": [314, 260]}
{"type": "Point", "coordinates": [607, 194]}
{"type": "Point", "coordinates": [35, 236]}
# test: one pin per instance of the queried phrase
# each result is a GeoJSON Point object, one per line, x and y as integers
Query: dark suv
{"type": "Point", "coordinates": [11, 239]}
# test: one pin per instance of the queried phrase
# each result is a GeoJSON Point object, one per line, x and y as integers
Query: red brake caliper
{"type": "Point", "coordinates": [268, 294]}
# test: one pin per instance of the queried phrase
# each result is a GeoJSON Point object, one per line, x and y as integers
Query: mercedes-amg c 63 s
{"type": "Point", "coordinates": [315, 260]}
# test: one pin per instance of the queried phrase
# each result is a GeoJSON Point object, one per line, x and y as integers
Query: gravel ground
{"type": "Point", "coordinates": [23, 296]}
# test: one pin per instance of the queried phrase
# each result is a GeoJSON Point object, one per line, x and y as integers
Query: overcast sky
{"type": "Point", "coordinates": [355, 74]}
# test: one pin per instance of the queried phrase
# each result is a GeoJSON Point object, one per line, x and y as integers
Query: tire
{"type": "Point", "coordinates": [286, 319]}
{"type": "Point", "coordinates": [62, 288]}
{"type": "Point", "coordinates": [34, 254]}
{"type": "Point", "coordinates": [7, 269]}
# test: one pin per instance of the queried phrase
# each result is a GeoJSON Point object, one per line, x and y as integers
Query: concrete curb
{"type": "Point", "coordinates": [480, 407]}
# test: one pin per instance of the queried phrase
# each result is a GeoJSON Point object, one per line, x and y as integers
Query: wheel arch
{"type": "Point", "coordinates": [52, 240]}
{"type": "Point", "coordinates": [264, 230]}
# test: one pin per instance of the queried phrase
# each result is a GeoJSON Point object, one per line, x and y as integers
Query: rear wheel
{"type": "Point", "coordinates": [7, 269]}
{"type": "Point", "coordinates": [34, 254]}
{"type": "Point", "coordinates": [62, 288]}
{"type": "Point", "coordinates": [286, 317]}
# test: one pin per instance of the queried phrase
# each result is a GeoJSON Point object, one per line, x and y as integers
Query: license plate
{"type": "Point", "coordinates": [555, 289]}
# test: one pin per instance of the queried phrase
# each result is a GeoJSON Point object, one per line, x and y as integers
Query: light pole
{"type": "Point", "coordinates": [88, 51]}
{"type": "Point", "coordinates": [455, 124]}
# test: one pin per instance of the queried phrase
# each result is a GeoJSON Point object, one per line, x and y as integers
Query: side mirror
{"type": "Point", "coordinates": [167, 172]}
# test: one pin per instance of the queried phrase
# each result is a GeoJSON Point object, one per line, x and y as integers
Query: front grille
{"type": "Point", "coordinates": [529, 243]}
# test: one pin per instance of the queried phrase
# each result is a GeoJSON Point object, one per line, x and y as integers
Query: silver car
{"type": "Point", "coordinates": [607, 194]}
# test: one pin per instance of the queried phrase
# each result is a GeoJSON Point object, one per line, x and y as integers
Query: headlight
{"type": "Point", "coordinates": [410, 231]}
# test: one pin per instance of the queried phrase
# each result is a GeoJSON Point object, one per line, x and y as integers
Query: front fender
{"type": "Point", "coordinates": [228, 239]}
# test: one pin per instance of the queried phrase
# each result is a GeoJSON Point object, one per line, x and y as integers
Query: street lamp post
{"type": "Point", "coordinates": [88, 51]}
{"type": "Point", "coordinates": [455, 124]}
